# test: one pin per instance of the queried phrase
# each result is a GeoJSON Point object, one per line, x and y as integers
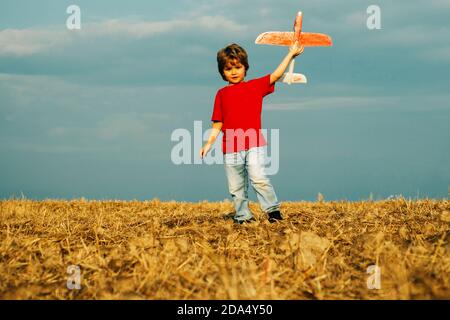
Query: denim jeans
{"type": "Point", "coordinates": [239, 166]}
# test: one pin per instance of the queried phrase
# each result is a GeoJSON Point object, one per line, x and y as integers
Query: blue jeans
{"type": "Point", "coordinates": [239, 166]}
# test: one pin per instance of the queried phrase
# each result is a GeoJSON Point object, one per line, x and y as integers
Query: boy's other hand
{"type": "Point", "coordinates": [204, 150]}
{"type": "Point", "coordinates": [296, 50]}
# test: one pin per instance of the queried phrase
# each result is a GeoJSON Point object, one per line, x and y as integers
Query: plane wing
{"type": "Point", "coordinates": [288, 38]}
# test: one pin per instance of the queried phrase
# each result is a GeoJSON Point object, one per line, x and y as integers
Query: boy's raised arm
{"type": "Point", "coordinates": [294, 51]}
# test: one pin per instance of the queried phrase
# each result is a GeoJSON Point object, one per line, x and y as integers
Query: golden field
{"type": "Point", "coordinates": [179, 250]}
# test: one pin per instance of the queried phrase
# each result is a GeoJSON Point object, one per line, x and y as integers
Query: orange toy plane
{"type": "Point", "coordinates": [288, 39]}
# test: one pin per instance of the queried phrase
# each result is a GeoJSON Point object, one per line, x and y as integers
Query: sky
{"type": "Point", "coordinates": [90, 112]}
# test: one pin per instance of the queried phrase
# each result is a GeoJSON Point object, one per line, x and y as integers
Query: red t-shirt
{"type": "Point", "coordinates": [239, 108]}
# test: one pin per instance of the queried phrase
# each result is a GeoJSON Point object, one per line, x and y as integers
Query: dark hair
{"type": "Point", "coordinates": [229, 53]}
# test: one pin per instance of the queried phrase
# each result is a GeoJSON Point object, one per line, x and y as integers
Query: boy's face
{"type": "Point", "coordinates": [234, 72]}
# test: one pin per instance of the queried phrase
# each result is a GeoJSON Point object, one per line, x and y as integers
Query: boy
{"type": "Point", "coordinates": [237, 112]}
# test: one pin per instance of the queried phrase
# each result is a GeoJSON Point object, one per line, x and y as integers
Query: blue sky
{"type": "Point", "coordinates": [89, 113]}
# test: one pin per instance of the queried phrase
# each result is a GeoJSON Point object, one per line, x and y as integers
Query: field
{"type": "Point", "coordinates": [391, 249]}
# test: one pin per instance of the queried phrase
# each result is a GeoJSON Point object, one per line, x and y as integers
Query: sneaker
{"type": "Point", "coordinates": [274, 216]}
{"type": "Point", "coordinates": [229, 216]}
{"type": "Point", "coordinates": [244, 221]}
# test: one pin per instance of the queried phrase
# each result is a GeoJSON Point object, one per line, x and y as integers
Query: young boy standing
{"type": "Point", "coordinates": [237, 112]}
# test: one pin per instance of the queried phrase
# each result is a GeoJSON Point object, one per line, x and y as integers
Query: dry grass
{"type": "Point", "coordinates": [175, 250]}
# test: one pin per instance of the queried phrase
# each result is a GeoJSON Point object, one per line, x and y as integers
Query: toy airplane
{"type": "Point", "coordinates": [288, 39]}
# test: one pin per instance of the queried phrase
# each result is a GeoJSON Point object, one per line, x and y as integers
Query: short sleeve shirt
{"type": "Point", "coordinates": [239, 108]}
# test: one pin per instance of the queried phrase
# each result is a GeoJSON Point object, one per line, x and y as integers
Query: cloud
{"type": "Point", "coordinates": [130, 125]}
{"type": "Point", "coordinates": [143, 29]}
{"type": "Point", "coordinates": [30, 93]}
{"type": "Point", "coordinates": [316, 103]}
{"type": "Point", "coordinates": [62, 148]}
{"type": "Point", "coordinates": [114, 133]}
{"type": "Point", "coordinates": [48, 114]}
{"type": "Point", "coordinates": [441, 4]}
{"type": "Point", "coordinates": [437, 54]}
{"type": "Point", "coordinates": [117, 126]}
{"type": "Point", "coordinates": [410, 103]}
{"type": "Point", "coordinates": [26, 42]}
{"type": "Point", "coordinates": [414, 35]}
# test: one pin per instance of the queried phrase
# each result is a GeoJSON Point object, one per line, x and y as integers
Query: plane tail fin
{"type": "Point", "coordinates": [291, 78]}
